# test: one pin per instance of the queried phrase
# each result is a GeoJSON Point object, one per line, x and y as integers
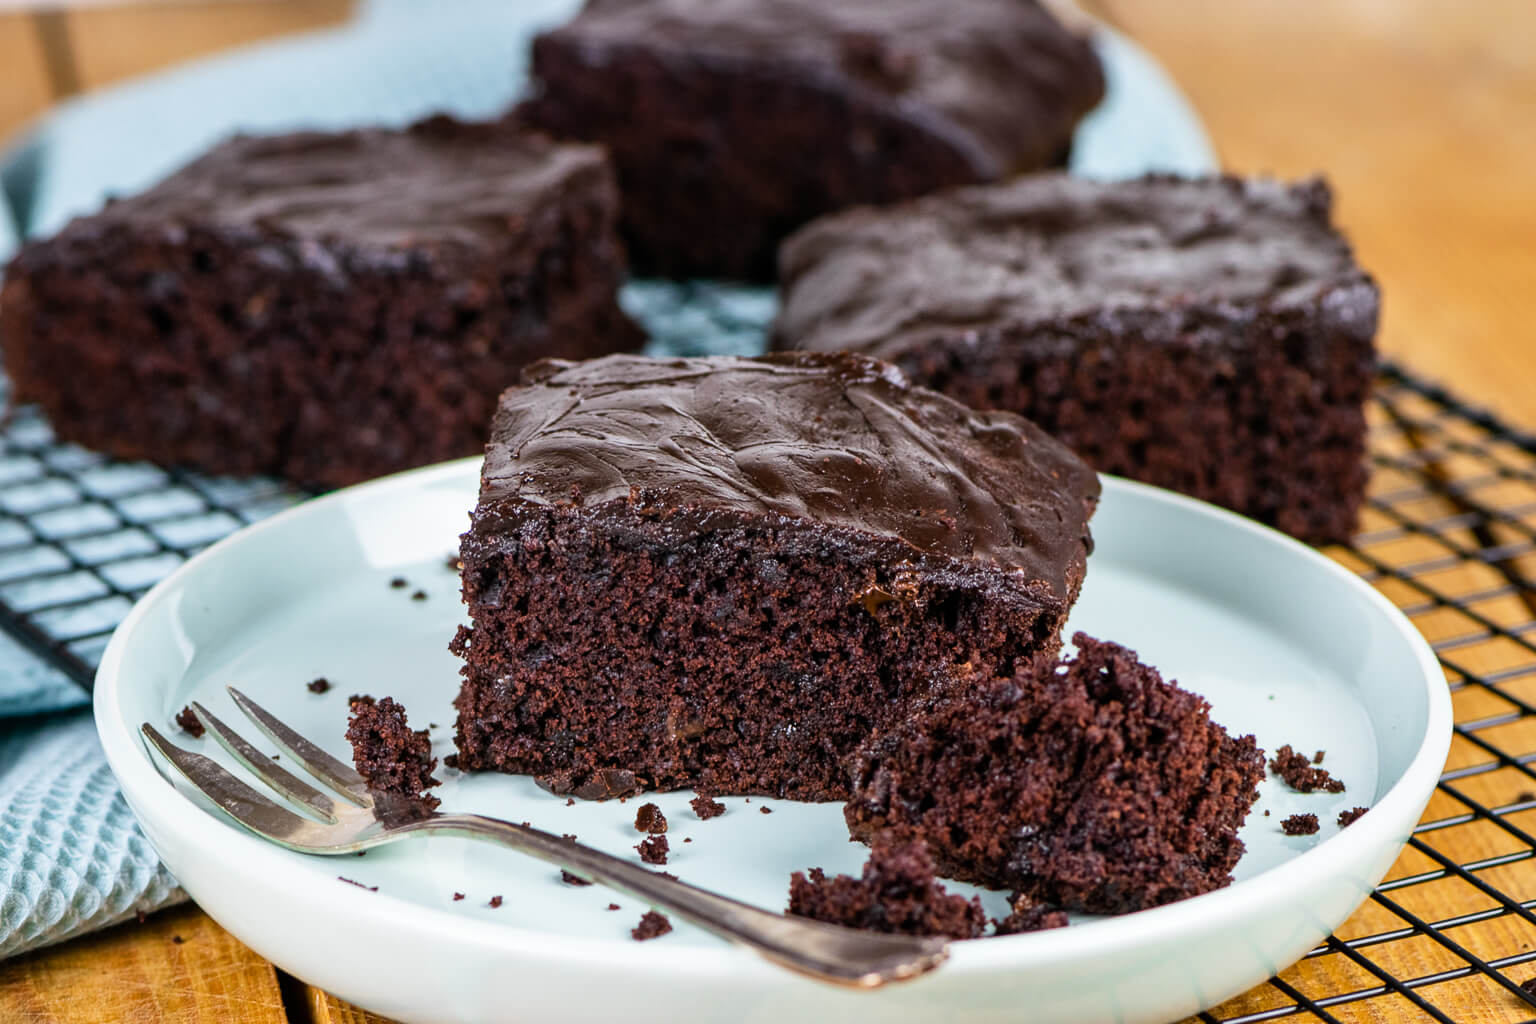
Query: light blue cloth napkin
{"type": "Point", "coordinates": [71, 858]}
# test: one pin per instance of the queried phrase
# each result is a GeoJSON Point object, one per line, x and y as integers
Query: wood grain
{"type": "Point", "coordinates": [141, 974]}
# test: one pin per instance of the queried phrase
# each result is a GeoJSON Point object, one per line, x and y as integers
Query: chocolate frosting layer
{"type": "Point", "coordinates": [833, 440]}
{"type": "Point", "coordinates": [1004, 82]}
{"type": "Point", "coordinates": [1049, 248]}
{"type": "Point", "coordinates": [441, 182]}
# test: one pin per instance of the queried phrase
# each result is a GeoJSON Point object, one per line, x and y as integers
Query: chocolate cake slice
{"type": "Point", "coordinates": [1213, 336]}
{"type": "Point", "coordinates": [1093, 785]}
{"type": "Point", "coordinates": [323, 307]}
{"type": "Point", "coordinates": [724, 573]}
{"type": "Point", "coordinates": [732, 122]}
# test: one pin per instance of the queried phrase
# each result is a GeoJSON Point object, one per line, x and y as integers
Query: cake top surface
{"type": "Point", "coordinates": [438, 181]}
{"type": "Point", "coordinates": [838, 440]}
{"type": "Point", "coordinates": [1048, 248]}
{"type": "Point", "coordinates": [1008, 75]}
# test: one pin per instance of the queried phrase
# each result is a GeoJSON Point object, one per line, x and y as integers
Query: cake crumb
{"type": "Point", "coordinates": [360, 885]}
{"type": "Point", "coordinates": [189, 723]}
{"type": "Point", "coordinates": [687, 839]}
{"type": "Point", "coordinates": [320, 685]}
{"type": "Point", "coordinates": [650, 819]}
{"type": "Point", "coordinates": [1029, 917]}
{"type": "Point", "coordinates": [457, 896]}
{"type": "Point", "coordinates": [614, 906]}
{"type": "Point", "coordinates": [177, 939]}
{"type": "Point", "coordinates": [398, 583]}
{"type": "Point", "coordinates": [495, 902]}
{"type": "Point", "coordinates": [570, 879]}
{"type": "Point", "coordinates": [570, 801]}
{"type": "Point", "coordinates": [653, 849]}
{"type": "Point", "coordinates": [896, 893]}
{"type": "Point", "coordinates": [1317, 758]}
{"type": "Point", "coordinates": [1297, 772]}
{"type": "Point", "coordinates": [706, 807]}
{"type": "Point", "coordinates": [652, 925]}
{"type": "Point", "coordinates": [766, 809]}
{"type": "Point", "coordinates": [1266, 812]}
{"type": "Point", "coordinates": [1349, 817]}
{"type": "Point", "coordinates": [395, 761]}
{"type": "Point", "coordinates": [420, 595]}
{"type": "Point", "coordinates": [1300, 825]}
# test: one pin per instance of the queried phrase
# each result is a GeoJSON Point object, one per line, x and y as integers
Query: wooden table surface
{"type": "Point", "coordinates": [1421, 112]}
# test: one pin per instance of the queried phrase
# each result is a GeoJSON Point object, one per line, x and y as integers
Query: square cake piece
{"type": "Point", "coordinates": [732, 122]}
{"type": "Point", "coordinates": [725, 573]}
{"type": "Point", "coordinates": [322, 307]}
{"type": "Point", "coordinates": [1213, 336]}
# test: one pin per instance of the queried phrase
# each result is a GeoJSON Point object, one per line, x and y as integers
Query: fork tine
{"type": "Point", "coordinates": [238, 800]}
{"type": "Point", "coordinates": [315, 761]}
{"type": "Point", "coordinates": [264, 769]}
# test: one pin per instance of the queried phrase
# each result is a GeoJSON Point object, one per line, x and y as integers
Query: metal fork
{"type": "Point", "coordinates": [360, 819]}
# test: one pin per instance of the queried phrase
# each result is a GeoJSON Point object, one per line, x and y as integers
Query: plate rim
{"type": "Point", "coordinates": [144, 785]}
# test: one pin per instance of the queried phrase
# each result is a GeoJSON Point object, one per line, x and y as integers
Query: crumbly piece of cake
{"type": "Point", "coordinates": [731, 122]}
{"type": "Point", "coordinates": [1213, 336]}
{"type": "Point", "coordinates": [1092, 786]}
{"type": "Point", "coordinates": [394, 760]}
{"type": "Point", "coordinates": [650, 819]}
{"type": "Point", "coordinates": [1349, 817]}
{"type": "Point", "coordinates": [322, 307]}
{"type": "Point", "coordinates": [896, 892]}
{"type": "Point", "coordinates": [189, 723]}
{"type": "Point", "coordinates": [653, 849]}
{"type": "Point", "coordinates": [1300, 774]}
{"type": "Point", "coordinates": [652, 925]}
{"type": "Point", "coordinates": [725, 573]}
{"type": "Point", "coordinates": [1030, 917]}
{"type": "Point", "coordinates": [321, 685]}
{"type": "Point", "coordinates": [706, 807]}
{"type": "Point", "coordinates": [1300, 825]}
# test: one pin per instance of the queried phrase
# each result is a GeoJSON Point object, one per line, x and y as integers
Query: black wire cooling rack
{"type": "Point", "coordinates": [1448, 534]}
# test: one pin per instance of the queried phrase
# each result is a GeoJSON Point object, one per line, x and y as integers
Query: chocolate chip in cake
{"type": "Point", "coordinates": [1297, 772]}
{"type": "Point", "coordinates": [653, 849]}
{"type": "Point", "coordinates": [651, 926]}
{"type": "Point", "coordinates": [1300, 825]}
{"type": "Point", "coordinates": [189, 723]}
{"type": "Point", "coordinates": [320, 685]}
{"type": "Point", "coordinates": [650, 819]}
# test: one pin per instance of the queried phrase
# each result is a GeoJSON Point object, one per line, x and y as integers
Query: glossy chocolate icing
{"type": "Point", "coordinates": [1050, 248]}
{"type": "Point", "coordinates": [964, 69]}
{"type": "Point", "coordinates": [441, 184]}
{"type": "Point", "coordinates": [831, 441]}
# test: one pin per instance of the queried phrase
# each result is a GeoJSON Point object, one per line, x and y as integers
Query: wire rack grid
{"type": "Point", "coordinates": [1448, 534]}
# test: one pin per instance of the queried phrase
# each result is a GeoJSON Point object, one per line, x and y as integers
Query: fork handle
{"type": "Point", "coordinates": [842, 955]}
